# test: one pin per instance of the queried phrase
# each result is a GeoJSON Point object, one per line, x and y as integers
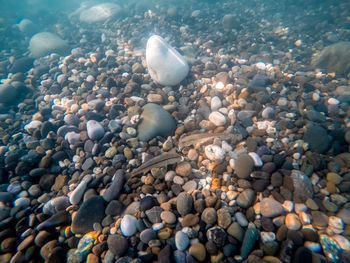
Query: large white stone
{"type": "Point", "coordinates": [100, 13]}
{"type": "Point", "coordinates": [165, 65]}
{"type": "Point", "coordinates": [44, 43]}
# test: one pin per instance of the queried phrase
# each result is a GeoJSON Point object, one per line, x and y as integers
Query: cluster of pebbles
{"type": "Point", "coordinates": [279, 194]}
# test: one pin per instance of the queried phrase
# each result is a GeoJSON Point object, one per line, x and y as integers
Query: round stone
{"type": "Point", "coordinates": [246, 198]}
{"type": "Point", "coordinates": [95, 130]}
{"type": "Point", "coordinates": [244, 165]}
{"type": "Point", "coordinates": [292, 221]}
{"type": "Point", "coordinates": [147, 235]}
{"type": "Point", "coordinates": [128, 225]}
{"type": "Point", "coordinates": [168, 217]}
{"type": "Point", "coordinates": [217, 118]}
{"type": "Point", "coordinates": [181, 241]}
{"type": "Point", "coordinates": [155, 121]}
{"type": "Point", "coordinates": [271, 208]}
{"type": "Point", "coordinates": [209, 216]}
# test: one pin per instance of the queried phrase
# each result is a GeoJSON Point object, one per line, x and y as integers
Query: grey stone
{"type": "Point", "coordinates": [155, 121]}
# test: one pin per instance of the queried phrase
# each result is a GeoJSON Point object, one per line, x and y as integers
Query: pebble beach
{"type": "Point", "coordinates": [163, 131]}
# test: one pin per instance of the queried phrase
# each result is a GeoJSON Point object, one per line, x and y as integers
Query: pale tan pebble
{"type": "Point", "coordinates": [333, 101]}
{"type": "Point", "coordinates": [113, 230]}
{"type": "Point", "coordinates": [288, 206]}
{"type": "Point", "coordinates": [131, 131]}
{"type": "Point", "coordinates": [85, 106]}
{"type": "Point", "coordinates": [336, 223]}
{"type": "Point", "coordinates": [154, 98]}
{"type": "Point", "coordinates": [305, 218]}
{"type": "Point", "coordinates": [168, 144]}
{"type": "Point", "coordinates": [192, 154]}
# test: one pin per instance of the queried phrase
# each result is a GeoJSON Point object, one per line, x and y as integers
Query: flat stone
{"type": "Point", "coordinates": [90, 212]}
{"type": "Point", "coordinates": [117, 244]}
{"type": "Point", "coordinates": [271, 208]}
{"type": "Point", "coordinates": [155, 121]}
{"type": "Point", "coordinates": [209, 216]}
{"type": "Point", "coordinates": [190, 220]}
{"type": "Point", "coordinates": [246, 198]}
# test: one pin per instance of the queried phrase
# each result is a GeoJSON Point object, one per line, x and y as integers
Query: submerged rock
{"type": "Point", "coordinates": [100, 13]}
{"type": "Point", "coordinates": [334, 58]}
{"type": "Point", "coordinates": [44, 43]}
{"type": "Point", "coordinates": [165, 65]}
{"type": "Point", "coordinates": [155, 121]}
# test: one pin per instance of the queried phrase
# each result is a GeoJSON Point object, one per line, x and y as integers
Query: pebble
{"type": "Point", "coordinates": [168, 217]}
{"type": "Point", "coordinates": [244, 165]}
{"type": "Point", "coordinates": [215, 103]}
{"type": "Point", "coordinates": [95, 130]}
{"type": "Point", "coordinates": [292, 221]}
{"type": "Point", "coordinates": [117, 244]}
{"type": "Point", "coordinates": [223, 218]}
{"type": "Point", "coordinates": [209, 216]}
{"type": "Point", "coordinates": [147, 235]}
{"type": "Point", "coordinates": [246, 198]}
{"type": "Point", "coordinates": [198, 252]}
{"type": "Point", "coordinates": [214, 153]}
{"type": "Point", "coordinates": [78, 192]}
{"type": "Point", "coordinates": [190, 220]}
{"type": "Point", "coordinates": [236, 231]}
{"type": "Point", "coordinates": [271, 208]}
{"type": "Point", "coordinates": [181, 241]}
{"type": "Point", "coordinates": [91, 211]}
{"type": "Point", "coordinates": [217, 235]}
{"type": "Point", "coordinates": [128, 225]}
{"type": "Point", "coordinates": [184, 203]}
{"type": "Point", "coordinates": [217, 118]}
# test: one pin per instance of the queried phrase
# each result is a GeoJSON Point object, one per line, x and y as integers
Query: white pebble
{"type": "Point", "coordinates": [217, 118]}
{"type": "Point", "coordinates": [256, 158]}
{"type": "Point", "coordinates": [78, 193]}
{"type": "Point", "coordinates": [128, 225]}
{"type": "Point", "coordinates": [333, 101]}
{"type": "Point", "coordinates": [215, 103]}
{"type": "Point", "coordinates": [214, 153]}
